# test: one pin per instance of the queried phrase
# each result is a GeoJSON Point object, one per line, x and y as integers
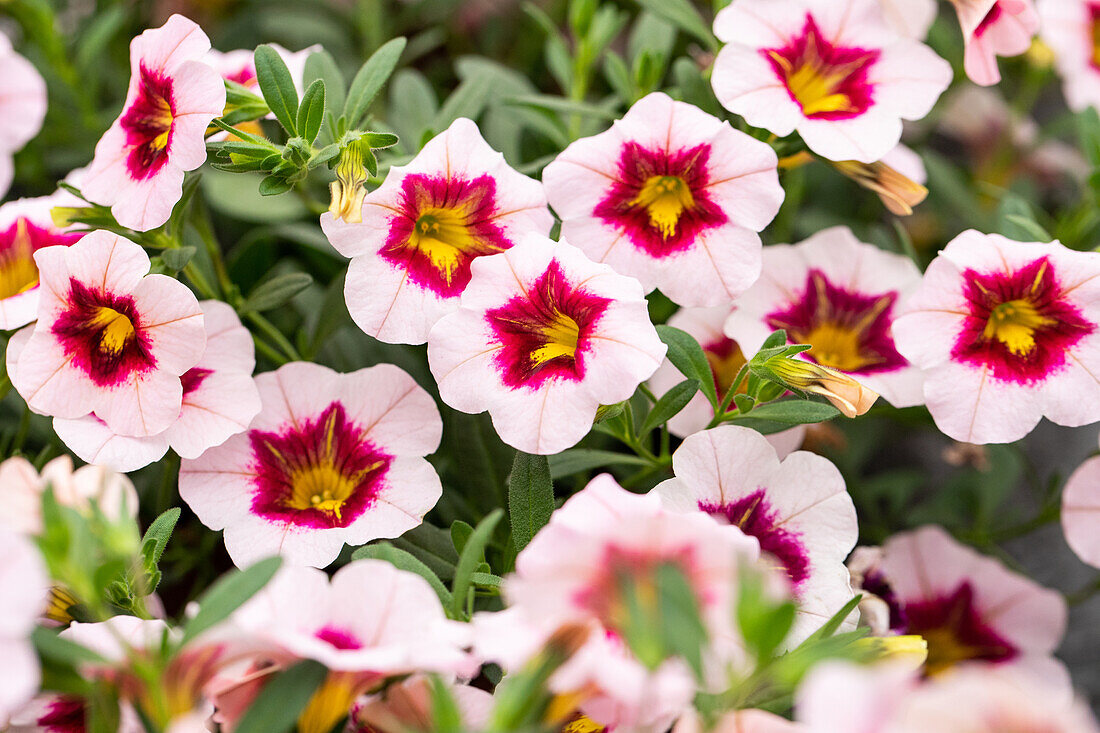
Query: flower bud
{"type": "Point", "coordinates": [347, 189]}
{"type": "Point", "coordinates": [899, 194]}
{"type": "Point", "coordinates": [910, 649]}
{"type": "Point", "coordinates": [845, 393]}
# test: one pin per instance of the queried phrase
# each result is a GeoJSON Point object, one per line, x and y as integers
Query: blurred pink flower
{"type": "Point", "coordinates": [23, 592]}
{"type": "Point", "coordinates": [993, 28]}
{"type": "Point", "coordinates": [1081, 511]}
{"type": "Point", "coordinates": [22, 108]}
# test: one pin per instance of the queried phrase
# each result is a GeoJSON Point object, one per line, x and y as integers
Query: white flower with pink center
{"type": "Point", "coordinates": [1081, 511]}
{"type": "Point", "coordinates": [239, 66]}
{"type": "Point", "coordinates": [456, 201]}
{"type": "Point", "coordinates": [64, 713]}
{"type": "Point", "coordinates": [219, 400]}
{"type": "Point", "coordinates": [725, 358]}
{"type": "Point", "coordinates": [113, 493]}
{"type": "Point", "coordinates": [140, 161]}
{"type": "Point", "coordinates": [543, 338]}
{"type": "Point", "coordinates": [798, 510]}
{"type": "Point", "coordinates": [993, 28]}
{"type": "Point", "coordinates": [832, 70]}
{"type": "Point", "coordinates": [669, 195]}
{"type": "Point", "coordinates": [842, 297]}
{"type": "Point", "coordinates": [109, 339]}
{"type": "Point", "coordinates": [969, 608]}
{"type": "Point", "coordinates": [330, 459]}
{"type": "Point", "coordinates": [22, 108]}
{"type": "Point", "coordinates": [23, 589]}
{"type": "Point", "coordinates": [1005, 333]}
{"type": "Point", "coordinates": [1072, 30]}
{"type": "Point", "coordinates": [25, 228]}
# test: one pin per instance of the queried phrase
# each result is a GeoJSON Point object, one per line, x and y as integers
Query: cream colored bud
{"type": "Point", "coordinates": [899, 193]}
{"type": "Point", "coordinates": [347, 190]}
{"type": "Point", "coordinates": [910, 649]}
{"type": "Point", "coordinates": [845, 394]}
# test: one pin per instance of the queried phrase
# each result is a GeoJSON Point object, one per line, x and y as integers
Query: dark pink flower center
{"type": "Point", "coordinates": [545, 333]}
{"type": "Point", "coordinates": [64, 714]}
{"type": "Point", "coordinates": [340, 638]}
{"type": "Point", "coordinates": [1094, 34]}
{"type": "Point", "coordinates": [955, 631]}
{"type": "Point", "coordinates": [102, 335]}
{"type": "Point", "coordinates": [444, 223]}
{"type": "Point", "coordinates": [193, 378]}
{"type": "Point", "coordinates": [849, 331]}
{"type": "Point", "coordinates": [148, 124]}
{"type": "Point", "coordinates": [827, 81]}
{"type": "Point", "coordinates": [757, 518]}
{"type": "Point", "coordinates": [18, 243]}
{"type": "Point", "coordinates": [1020, 326]}
{"type": "Point", "coordinates": [245, 76]}
{"type": "Point", "coordinates": [660, 198]}
{"type": "Point", "coordinates": [990, 18]}
{"type": "Point", "coordinates": [320, 473]}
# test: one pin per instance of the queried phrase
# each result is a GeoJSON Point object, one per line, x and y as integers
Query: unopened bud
{"type": "Point", "coordinates": [347, 189]}
{"type": "Point", "coordinates": [65, 216]}
{"type": "Point", "coordinates": [843, 392]}
{"type": "Point", "coordinates": [911, 649]}
{"type": "Point", "coordinates": [898, 193]}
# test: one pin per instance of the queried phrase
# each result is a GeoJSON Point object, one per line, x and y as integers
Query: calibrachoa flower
{"type": "Point", "coordinates": [331, 458]}
{"type": "Point", "coordinates": [993, 28]}
{"type": "Point", "coordinates": [669, 195]}
{"type": "Point", "coordinates": [26, 227]}
{"type": "Point", "coordinates": [970, 608]}
{"type": "Point", "coordinates": [456, 201]}
{"type": "Point", "coordinates": [407, 705]}
{"type": "Point", "coordinates": [726, 359]}
{"type": "Point", "coordinates": [798, 509]}
{"type": "Point", "coordinates": [1081, 511]}
{"type": "Point", "coordinates": [371, 622]}
{"type": "Point", "coordinates": [841, 296]}
{"type": "Point", "coordinates": [833, 71]}
{"type": "Point", "coordinates": [140, 161]}
{"type": "Point", "coordinates": [21, 499]}
{"type": "Point", "coordinates": [22, 107]}
{"type": "Point", "coordinates": [910, 18]}
{"type": "Point", "coordinates": [1006, 333]}
{"type": "Point", "coordinates": [543, 338]}
{"type": "Point", "coordinates": [240, 67]}
{"type": "Point", "coordinates": [110, 338]}
{"type": "Point", "coordinates": [23, 588]}
{"type": "Point", "coordinates": [219, 400]}
{"type": "Point", "coordinates": [572, 571]}
{"type": "Point", "coordinates": [60, 713]}
{"type": "Point", "coordinates": [1072, 29]}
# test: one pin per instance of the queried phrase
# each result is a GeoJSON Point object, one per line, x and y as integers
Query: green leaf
{"type": "Point", "coordinates": [530, 497]}
{"type": "Point", "coordinates": [405, 561]}
{"type": "Point", "coordinates": [687, 355]}
{"type": "Point", "coordinates": [177, 258]}
{"type": "Point", "coordinates": [681, 621]}
{"type": "Point", "coordinates": [312, 111]}
{"type": "Point", "coordinates": [469, 98]}
{"type": "Point", "coordinates": [460, 534]}
{"type": "Point", "coordinates": [378, 140]}
{"type": "Point", "coordinates": [228, 593]}
{"type": "Point", "coordinates": [321, 65]}
{"type": "Point", "coordinates": [370, 79]}
{"type": "Point", "coordinates": [764, 622]}
{"type": "Point", "coordinates": [275, 184]}
{"type": "Point", "coordinates": [561, 104]}
{"type": "Point", "coordinates": [682, 14]}
{"type": "Point", "coordinates": [576, 460]}
{"type": "Point", "coordinates": [830, 627]}
{"type": "Point", "coordinates": [774, 340]}
{"type": "Point", "coordinates": [277, 86]}
{"type": "Point", "coordinates": [472, 554]}
{"type": "Point", "coordinates": [796, 412]}
{"type": "Point", "coordinates": [276, 292]}
{"type": "Point", "coordinates": [282, 700]}
{"type": "Point", "coordinates": [669, 405]}
{"type": "Point", "coordinates": [157, 536]}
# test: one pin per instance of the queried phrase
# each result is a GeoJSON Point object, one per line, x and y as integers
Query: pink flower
{"type": "Point", "coordinates": [829, 69]}
{"type": "Point", "coordinates": [1070, 28]}
{"type": "Point", "coordinates": [408, 705]}
{"type": "Point", "coordinates": [219, 400]}
{"type": "Point", "coordinates": [110, 339]}
{"type": "Point", "coordinates": [798, 510]}
{"type": "Point", "coordinates": [140, 161]}
{"type": "Point", "coordinates": [740, 721]}
{"type": "Point", "coordinates": [112, 493]}
{"type": "Point", "coordinates": [23, 589]}
{"type": "Point", "coordinates": [61, 713]}
{"type": "Point", "coordinates": [970, 609]}
{"type": "Point", "coordinates": [841, 296]}
{"type": "Point", "coordinates": [331, 458]}
{"type": "Point", "coordinates": [993, 28]}
{"type": "Point", "coordinates": [238, 65]}
{"type": "Point", "coordinates": [726, 359]}
{"type": "Point", "coordinates": [25, 228]}
{"type": "Point", "coordinates": [1081, 511]}
{"type": "Point", "coordinates": [1005, 333]}
{"type": "Point", "coordinates": [456, 201]}
{"type": "Point", "coordinates": [672, 196]}
{"type": "Point", "coordinates": [22, 108]}
{"type": "Point", "coordinates": [543, 338]}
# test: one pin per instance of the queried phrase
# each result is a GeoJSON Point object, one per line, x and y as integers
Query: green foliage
{"type": "Point", "coordinates": [530, 497]}
{"type": "Point", "coordinates": [227, 595]}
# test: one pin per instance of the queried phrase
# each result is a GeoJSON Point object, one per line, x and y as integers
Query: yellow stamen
{"type": "Point", "coordinates": [117, 330]}
{"type": "Point", "coordinates": [1096, 42]}
{"type": "Point", "coordinates": [814, 82]}
{"type": "Point", "coordinates": [17, 271]}
{"type": "Point", "coordinates": [837, 346]}
{"type": "Point", "coordinates": [1014, 323]}
{"type": "Point", "coordinates": [443, 234]}
{"type": "Point", "coordinates": [582, 724]}
{"type": "Point", "coordinates": [561, 336]}
{"type": "Point", "coordinates": [665, 199]}
{"type": "Point", "coordinates": [330, 703]}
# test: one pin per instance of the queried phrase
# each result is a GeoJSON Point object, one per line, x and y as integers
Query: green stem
{"type": "Point", "coordinates": [269, 351]}
{"type": "Point", "coordinates": [1085, 593]}
{"type": "Point", "coordinates": [275, 335]}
